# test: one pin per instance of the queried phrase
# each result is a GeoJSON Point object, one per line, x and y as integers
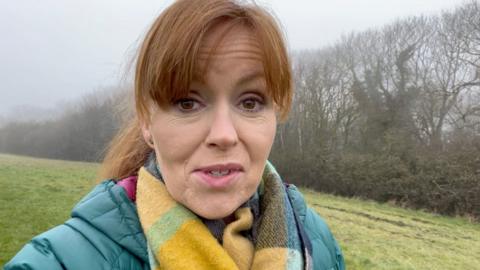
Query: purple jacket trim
{"type": "Point", "coordinates": [130, 186]}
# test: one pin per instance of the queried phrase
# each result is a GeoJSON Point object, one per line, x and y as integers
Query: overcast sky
{"type": "Point", "coordinates": [55, 50]}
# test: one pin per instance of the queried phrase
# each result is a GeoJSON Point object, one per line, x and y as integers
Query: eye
{"type": "Point", "coordinates": [252, 104]}
{"type": "Point", "coordinates": [187, 105]}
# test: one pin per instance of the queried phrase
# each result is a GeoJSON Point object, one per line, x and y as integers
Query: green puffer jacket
{"type": "Point", "coordinates": [105, 233]}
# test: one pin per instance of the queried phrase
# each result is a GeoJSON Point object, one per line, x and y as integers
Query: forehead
{"type": "Point", "coordinates": [226, 44]}
{"type": "Point", "coordinates": [226, 40]}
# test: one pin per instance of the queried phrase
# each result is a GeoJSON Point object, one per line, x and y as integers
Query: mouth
{"type": "Point", "coordinates": [219, 176]}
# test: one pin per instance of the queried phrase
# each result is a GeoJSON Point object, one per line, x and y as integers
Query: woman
{"type": "Point", "coordinates": [193, 188]}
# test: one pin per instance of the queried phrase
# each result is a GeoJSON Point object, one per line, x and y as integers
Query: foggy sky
{"type": "Point", "coordinates": [53, 51]}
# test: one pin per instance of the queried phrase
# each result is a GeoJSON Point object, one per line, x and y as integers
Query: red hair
{"type": "Point", "coordinates": [166, 65]}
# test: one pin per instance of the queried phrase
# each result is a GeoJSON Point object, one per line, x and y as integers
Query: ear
{"type": "Point", "coordinates": [147, 135]}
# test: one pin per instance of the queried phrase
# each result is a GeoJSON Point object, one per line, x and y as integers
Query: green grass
{"type": "Point", "coordinates": [37, 194]}
{"type": "Point", "coordinates": [380, 236]}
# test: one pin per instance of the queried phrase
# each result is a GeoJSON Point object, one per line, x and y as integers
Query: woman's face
{"type": "Point", "coordinates": [212, 145]}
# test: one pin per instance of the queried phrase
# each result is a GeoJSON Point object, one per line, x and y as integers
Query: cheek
{"type": "Point", "coordinates": [258, 144]}
{"type": "Point", "coordinates": [259, 139]}
{"type": "Point", "coordinates": [174, 145]}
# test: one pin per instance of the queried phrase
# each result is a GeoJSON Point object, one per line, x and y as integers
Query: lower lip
{"type": "Point", "coordinates": [218, 182]}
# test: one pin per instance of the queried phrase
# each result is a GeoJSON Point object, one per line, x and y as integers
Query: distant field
{"type": "Point", "coordinates": [37, 194]}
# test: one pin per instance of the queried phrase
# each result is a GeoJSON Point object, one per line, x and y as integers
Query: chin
{"type": "Point", "coordinates": [216, 212]}
{"type": "Point", "coordinates": [214, 216]}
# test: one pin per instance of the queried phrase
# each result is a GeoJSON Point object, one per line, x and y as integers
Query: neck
{"type": "Point", "coordinates": [229, 219]}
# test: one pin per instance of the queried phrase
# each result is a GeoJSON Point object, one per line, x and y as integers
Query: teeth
{"type": "Point", "coordinates": [219, 173]}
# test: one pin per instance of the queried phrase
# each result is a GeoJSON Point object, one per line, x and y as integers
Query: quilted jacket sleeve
{"type": "Point", "coordinates": [35, 255]}
{"type": "Point", "coordinates": [62, 247]}
{"type": "Point", "coordinates": [326, 252]}
{"type": "Point", "coordinates": [103, 233]}
{"type": "Point", "coordinates": [323, 243]}
{"type": "Point", "coordinates": [74, 245]}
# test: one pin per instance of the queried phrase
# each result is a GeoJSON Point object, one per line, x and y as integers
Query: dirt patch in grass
{"type": "Point", "coordinates": [393, 222]}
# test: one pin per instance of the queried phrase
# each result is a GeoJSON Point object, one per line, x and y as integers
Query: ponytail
{"type": "Point", "coordinates": [126, 154]}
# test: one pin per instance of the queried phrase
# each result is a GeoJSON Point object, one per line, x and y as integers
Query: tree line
{"type": "Point", "coordinates": [391, 114]}
{"type": "Point", "coordinates": [80, 133]}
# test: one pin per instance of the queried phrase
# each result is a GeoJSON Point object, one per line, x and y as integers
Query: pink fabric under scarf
{"type": "Point", "coordinates": [130, 186]}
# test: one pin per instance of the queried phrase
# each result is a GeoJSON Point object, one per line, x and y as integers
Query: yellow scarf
{"type": "Point", "coordinates": [178, 239]}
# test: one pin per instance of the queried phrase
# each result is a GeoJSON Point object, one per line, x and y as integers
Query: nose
{"type": "Point", "coordinates": [222, 133]}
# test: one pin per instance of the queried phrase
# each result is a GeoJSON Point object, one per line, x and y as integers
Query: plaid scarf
{"type": "Point", "coordinates": [266, 233]}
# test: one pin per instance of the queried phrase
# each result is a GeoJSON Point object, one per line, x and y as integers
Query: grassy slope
{"type": "Point", "coordinates": [379, 236]}
{"type": "Point", "coordinates": [37, 194]}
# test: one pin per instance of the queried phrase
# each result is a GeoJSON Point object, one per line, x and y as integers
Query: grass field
{"type": "Point", "coordinates": [37, 194]}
